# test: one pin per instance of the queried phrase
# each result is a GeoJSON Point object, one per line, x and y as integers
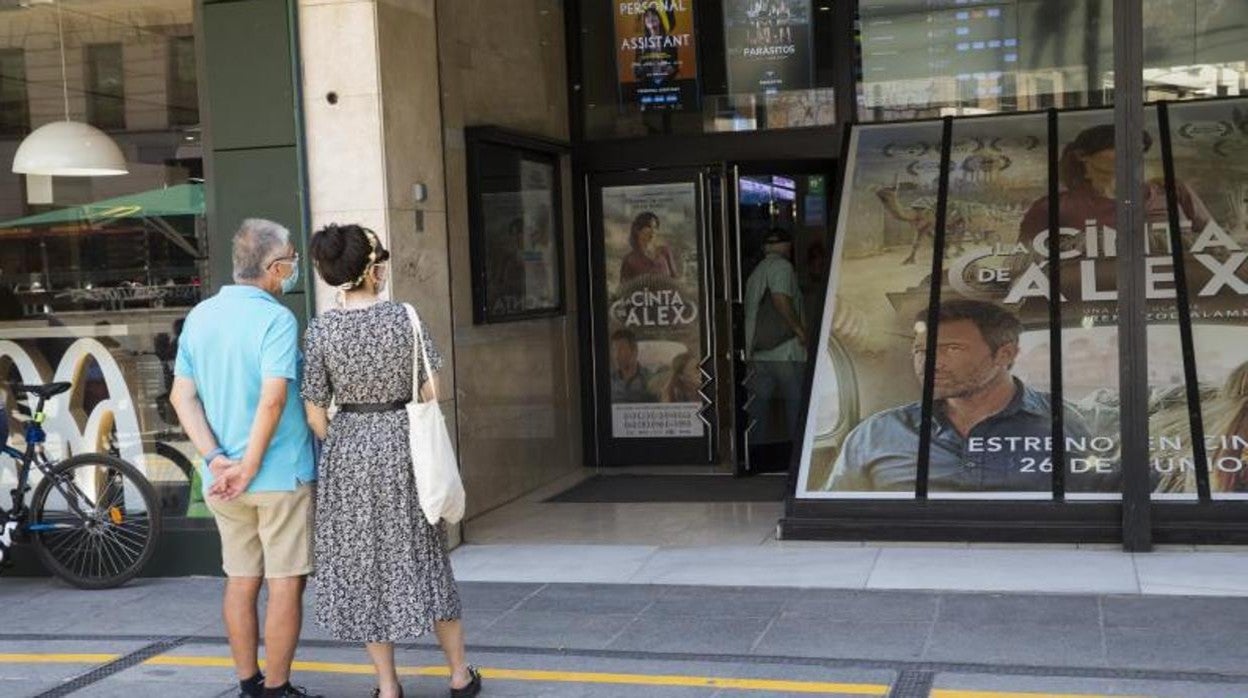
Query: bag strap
{"type": "Point", "coordinates": [419, 355]}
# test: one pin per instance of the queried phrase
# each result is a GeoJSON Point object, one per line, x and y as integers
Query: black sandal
{"type": "Point", "coordinates": [377, 692]}
{"type": "Point", "coordinates": [473, 687]}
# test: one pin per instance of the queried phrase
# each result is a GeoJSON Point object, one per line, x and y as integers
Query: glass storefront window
{"type": "Point", "coordinates": [923, 58]}
{"type": "Point", "coordinates": [94, 285]}
{"type": "Point", "coordinates": [747, 65]}
{"type": "Point", "coordinates": [699, 66]}
{"type": "Point", "coordinates": [105, 88]}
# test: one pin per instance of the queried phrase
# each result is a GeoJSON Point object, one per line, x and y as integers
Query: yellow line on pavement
{"type": "Point", "coordinates": [959, 693]}
{"type": "Point", "coordinates": [19, 658]}
{"type": "Point", "coordinates": [675, 681]}
{"type": "Point", "coordinates": [537, 675]}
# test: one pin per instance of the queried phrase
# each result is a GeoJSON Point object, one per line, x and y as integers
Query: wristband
{"type": "Point", "coordinates": [212, 455]}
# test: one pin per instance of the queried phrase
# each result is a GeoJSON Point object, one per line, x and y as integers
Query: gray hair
{"type": "Point", "coordinates": [255, 243]}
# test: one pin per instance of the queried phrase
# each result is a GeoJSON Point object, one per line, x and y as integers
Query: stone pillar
{"type": "Point", "coordinates": [373, 131]}
{"type": "Point", "coordinates": [389, 86]}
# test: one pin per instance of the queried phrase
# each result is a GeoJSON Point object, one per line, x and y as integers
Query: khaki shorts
{"type": "Point", "coordinates": [266, 534]}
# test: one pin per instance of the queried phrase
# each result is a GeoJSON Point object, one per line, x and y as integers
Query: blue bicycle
{"type": "Point", "coordinates": [93, 519]}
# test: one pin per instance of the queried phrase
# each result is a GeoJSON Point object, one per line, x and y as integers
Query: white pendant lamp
{"type": "Point", "coordinates": [68, 148]}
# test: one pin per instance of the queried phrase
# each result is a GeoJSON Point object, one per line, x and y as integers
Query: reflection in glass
{"type": "Point", "coordinates": [959, 58]}
{"type": "Point", "coordinates": [519, 235]}
{"type": "Point", "coordinates": [749, 65]}
{"type": "Point", "coordinates": [94, 286]}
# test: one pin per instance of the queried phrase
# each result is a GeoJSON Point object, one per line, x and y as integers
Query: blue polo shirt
{"type": "Point", "coordinates": [229, 345]}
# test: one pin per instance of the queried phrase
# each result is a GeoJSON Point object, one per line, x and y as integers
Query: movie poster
{"type": "Point", "coordinates": [768, 46]}
{"type": "Point", "coordinates": [992, 412]}
{"type": "Point", "coordinates": [656, 55]}
{"type": "Point", "coordinates": [522, 268]}
{"type": "Point", "coordinates": [1210, 144]}
{"type": "Point", "coordinates": [654, 304]}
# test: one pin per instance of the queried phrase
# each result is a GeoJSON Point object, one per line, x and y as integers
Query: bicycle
{"type": "Point", "coordinates": [93, 519]}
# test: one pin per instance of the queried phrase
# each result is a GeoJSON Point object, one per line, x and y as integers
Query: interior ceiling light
{"type": "Point", "coordinates": [68, 148]}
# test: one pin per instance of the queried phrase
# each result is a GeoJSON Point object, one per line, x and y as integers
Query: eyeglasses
{"type": "Point", "coordinates": [292, 260]}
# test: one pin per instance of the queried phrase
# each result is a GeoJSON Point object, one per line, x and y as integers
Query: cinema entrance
{"type": "Point", "coordinates": [970, 155]}
{"type": "Point", "coordinates": [709, 281]}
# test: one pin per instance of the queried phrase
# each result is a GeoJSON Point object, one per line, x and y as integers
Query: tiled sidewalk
{"type": "Point", "coordinates": [1047, 643]}
{"type": "Point", "coordinates": [996, 568]}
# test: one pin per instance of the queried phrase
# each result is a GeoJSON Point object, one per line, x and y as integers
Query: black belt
{"type": "Point", "coordinates": [371, 407]}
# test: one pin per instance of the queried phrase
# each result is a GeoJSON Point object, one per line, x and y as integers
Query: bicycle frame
{"type": "Point", "coordinates": [36, 456]}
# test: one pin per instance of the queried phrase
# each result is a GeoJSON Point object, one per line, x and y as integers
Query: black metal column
{"type": "Point", "coordinates": [1130, 222]}
{"type": "Point", "coordinates": [845, 60]}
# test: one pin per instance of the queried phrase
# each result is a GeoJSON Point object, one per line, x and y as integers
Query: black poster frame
{"type": "Point", "coordinates": [616, 451]}
{"type": "Point", "coordinates": [1058, 519]}
{"type": "Point", "coordinates": [542, 149]}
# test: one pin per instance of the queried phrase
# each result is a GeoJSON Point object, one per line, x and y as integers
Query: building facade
{"type": "Point", "coordinates": [590, 202]}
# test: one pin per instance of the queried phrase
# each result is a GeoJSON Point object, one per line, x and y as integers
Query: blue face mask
{"type": "Point", "coordinates": [291, 282]}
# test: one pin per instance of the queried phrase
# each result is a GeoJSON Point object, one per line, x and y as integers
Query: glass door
{"type": "Point", "coordinates": [780, 223]}
{"type": "Point", "coordinates": [653, 333]}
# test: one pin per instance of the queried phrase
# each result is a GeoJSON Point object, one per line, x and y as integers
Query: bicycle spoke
{"type": "Point", "coordinates": [129, 534]}
{"type": "Point", "coordinates": [113, 555]}
{"type": "Point", "coordinates": [82, 559]}
{"type": "Point", "coordinates": [101, 558]}
{"type": "Point", "coordinates": [126, 546]}
{"type": "Point", "coordinates": [118, 494]}
{"type": "Point", "coordinates": [65, 538]}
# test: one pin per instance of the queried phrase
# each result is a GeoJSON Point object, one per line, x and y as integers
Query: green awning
{"type": "Point", "coordinates": [178, 200]}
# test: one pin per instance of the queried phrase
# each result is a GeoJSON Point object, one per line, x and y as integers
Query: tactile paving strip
{"type": "Point", "coordinates": [912, 684]}
{"type": "Point", "coordinates": [116, 666]}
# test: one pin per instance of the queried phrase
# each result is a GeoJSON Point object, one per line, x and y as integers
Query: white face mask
{"type": "Point", "coordinates": [381, 277]}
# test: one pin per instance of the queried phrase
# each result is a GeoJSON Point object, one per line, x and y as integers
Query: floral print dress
{"type": "Point", "coordinates": [382, 572]}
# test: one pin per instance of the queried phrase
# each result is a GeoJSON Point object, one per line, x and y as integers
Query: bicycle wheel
{"type": "Point", "coordinates": [94, 521]}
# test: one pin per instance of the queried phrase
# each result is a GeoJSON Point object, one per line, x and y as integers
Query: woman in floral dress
{"type": "Point", "coordinates": [382, 572]}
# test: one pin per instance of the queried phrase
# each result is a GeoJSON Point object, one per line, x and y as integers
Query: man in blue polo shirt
{"type": "Point", "coordinates": [238, 356]}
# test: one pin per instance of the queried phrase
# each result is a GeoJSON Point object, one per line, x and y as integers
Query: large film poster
{"type": "Point", "coordinates": [768, 45]}
{"type": "Point", "coordinates": [656, 58]}
{"type": "Point", "coordinates": [993, 407]}
{"type": "Point", "coordinates": [1210, 146]}
{"type": "Point", "coordinates": [866, 390]}
{"type": "Point", "coordinates": [654, 304]}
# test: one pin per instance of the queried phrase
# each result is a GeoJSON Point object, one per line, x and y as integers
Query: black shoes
{"type": "Point", "coordinates": [288, 691]}
{"type": "Point", "coordinates": [252, 688]}
{"type": "Point", "coordinates": [473, 687]}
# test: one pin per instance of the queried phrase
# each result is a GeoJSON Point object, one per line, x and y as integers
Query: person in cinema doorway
{"type": "Point", "coordinates": [979, 406]}
{"type": "Point", "coordinates": [776, 335]}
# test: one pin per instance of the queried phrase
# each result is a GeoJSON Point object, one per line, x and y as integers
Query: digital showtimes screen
{"type": "Point", "coordinates": [914, 40]}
